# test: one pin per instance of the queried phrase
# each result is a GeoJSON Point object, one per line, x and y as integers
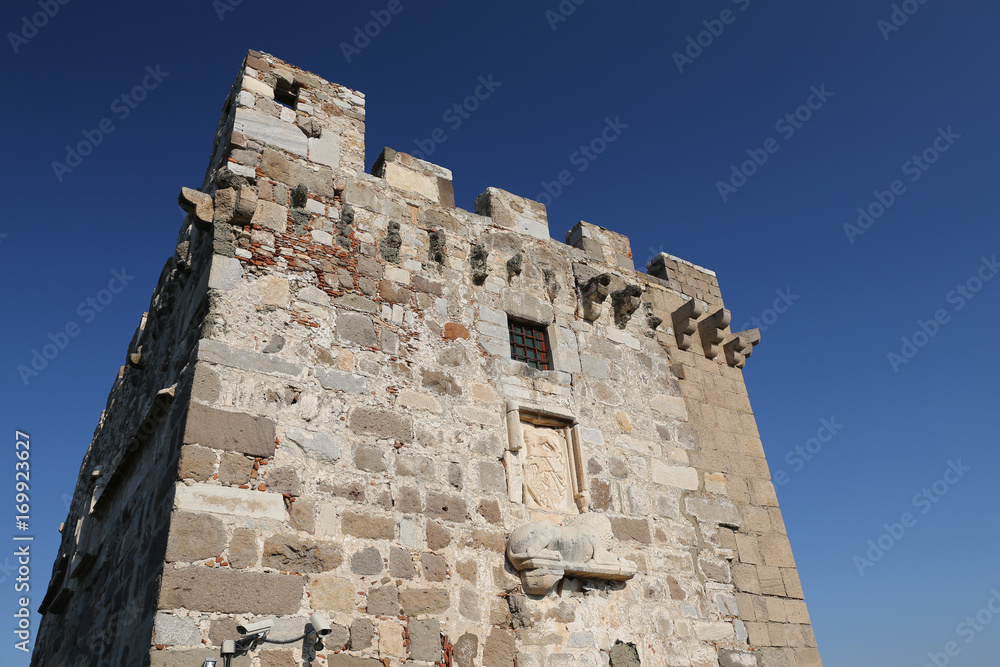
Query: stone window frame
{"type": "Point", "coordinates": [514, 462]}
{"type": "Point", "coordinates": [545, 347]}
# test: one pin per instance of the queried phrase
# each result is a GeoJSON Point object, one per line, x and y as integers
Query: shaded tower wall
{"type": "Point", "coordinates": [350, 435]}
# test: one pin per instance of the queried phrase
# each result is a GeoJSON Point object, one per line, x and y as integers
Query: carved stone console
{"type": "Point", "coordinates": [545, 553]}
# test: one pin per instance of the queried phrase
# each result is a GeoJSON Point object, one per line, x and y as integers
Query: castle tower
{"type": "Point", "coordinates": [459, 440]}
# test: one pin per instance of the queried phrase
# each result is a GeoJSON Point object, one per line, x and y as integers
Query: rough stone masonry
{"type": "Point", "coordinates": [321, 413]}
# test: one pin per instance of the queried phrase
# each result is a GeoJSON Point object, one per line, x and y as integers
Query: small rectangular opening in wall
{"type": "Point", "coordinates": [530, 343]}
{"type": "Point", "coordinates": [286, 96]}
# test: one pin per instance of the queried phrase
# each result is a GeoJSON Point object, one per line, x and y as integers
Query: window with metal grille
{"type": "Point", "coordinates": [530, 344]}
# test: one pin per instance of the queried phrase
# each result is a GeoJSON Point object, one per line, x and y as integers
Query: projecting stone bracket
{"type": "Point", "coordinates": [593, 290]}
{"type": "Point", "coordinates": [200, 204]}
{"type": "Point", "coordinates": [685, 321]}
{"type": "Point", "coordinates": [625, 302]}
{"type": "Point", "coordinates": [740, 346]}
{"type": "Point", "coordinates": [713, 330]}
{"type": "Point", "coordinates": [545, 553]}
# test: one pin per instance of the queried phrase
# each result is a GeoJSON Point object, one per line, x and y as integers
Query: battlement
{"type": "Point", "coordinates": [285, 130]}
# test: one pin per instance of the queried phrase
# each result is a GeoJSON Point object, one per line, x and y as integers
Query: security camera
{"type": "Point", "coordinates": [320, 625]}
{"type": "Point", "coordinates": [256, 628]}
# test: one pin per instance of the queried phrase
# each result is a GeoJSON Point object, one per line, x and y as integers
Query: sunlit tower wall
{"type": "Point", "coordinates": [461, 441]}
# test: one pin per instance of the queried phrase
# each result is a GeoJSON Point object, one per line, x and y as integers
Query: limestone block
{"type": "Point", "coordinates": [243, 548]}
{"type": "Point", "coordinates": [513, 212]}
{"type": "Point", "coordinates": [368, 526]}
{"type": "Point", "coordinates": [172, 630]}
{"type": "Point", "coordinates": [523, 306]}
{"type": "Point", "coordinates": [392, 640]}
{"type": "Point", "coordinates": [465, 650]}
{"type": "Point", "coordinates": [500, 649]}
{"type": "Point", "coordinates": [332, 593]}
{"type": "Point", "coordinates": [217, 352]}
{"type": "Point", "coordinates": [721, 511]}
{"type": "Point", "coordinates": [228, 500]}
{"type": "Point", "coordinates": [446, 506]}
{"type": "Point", "coordinates": [414, 175]}
{"type": "Point", "coordinates": [362, 634]}
{"type": "Point", "coordinates": [196, 462]}
{"type": "Point", "coordinates": [201, 588]}
{"type": "Point", "coordinates": [671, 406]}
{"type": "Point", "coordinates": [411, 399]}
{"type": "Point", "coordinates": [194, 537]}
{"type": "Point", "coordinates": [425, 640]}
{"type": "Point", "coordinates": [233, 431]}
{"type": "Point", "coordinates": [198, 203]}
{"type": "Point", "coordinates": [270, 215]}
{"type": "Point", "coordinates": [339, 381]}
{"type": "Point", "coordinates": [288, 553]}
{"type": "Point", "coordinates": [356, 329]}
{"type": "Point", "coordinates": [317, 445]}
{"type": "Point", "coordinates": [367, 561]}
{"type": "Point", "coordinates": [325, 149]}
{"type": "Point", "coordinates": [226, 273]}
{"type": "Point", "coordinates": [420, 601]}
{"type": "Point", "coordinates": [383, 423]}
{"type": "Point", "coordinates": [269, 130]}
{"type": "Point", "coordinates": [383, 601]}
{"type": "Point", "coordinates": [680, 476]}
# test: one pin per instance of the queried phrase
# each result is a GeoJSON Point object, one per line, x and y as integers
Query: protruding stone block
{"type": "Point", "coordinates": [513, 212]}
{"type": "Point", "coordinates": [408, 173]}
{"type": "Point", "coordinates": [602, 245]}
{"type": "Point", "coordinates": [233, 431]}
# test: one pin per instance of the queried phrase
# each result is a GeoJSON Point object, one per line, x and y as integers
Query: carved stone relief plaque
{"type": "Point", "coordinates": [547, 481]}
{"type": "Point", "coordinates": [543, 460]}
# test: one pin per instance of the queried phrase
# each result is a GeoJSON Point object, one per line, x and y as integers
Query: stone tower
{"type": "Point", "coordinates": [463, 442]}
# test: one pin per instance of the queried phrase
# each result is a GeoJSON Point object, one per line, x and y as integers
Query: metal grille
{"type": "Point", "coordinates": [529, 344]}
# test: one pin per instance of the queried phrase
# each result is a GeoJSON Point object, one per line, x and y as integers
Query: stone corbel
{"type": "Point", "coordinates": [593, 292]}
{"type": "Point", "coordinates": [685, 321]}
{"type": "Point", "coordinates": [544, 553]}
{"type": "Point", "coordinates": [200, 204]}
{"type": "Point", "coordinates": [625, 302]}
{"type": "Point", "coordinates": [713, 331]}
{"type": "Point", "coordinates": [740, 346]}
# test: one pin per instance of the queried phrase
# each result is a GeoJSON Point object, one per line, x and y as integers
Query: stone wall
{"type": "Point", "coordinates": [350, 435]}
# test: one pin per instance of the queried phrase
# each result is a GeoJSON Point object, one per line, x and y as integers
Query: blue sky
{"type": "Point", "coordinates": [865, 99]}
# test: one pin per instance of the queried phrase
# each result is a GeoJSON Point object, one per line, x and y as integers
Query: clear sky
{"type": "Point", "coordinates": [746, 136]}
